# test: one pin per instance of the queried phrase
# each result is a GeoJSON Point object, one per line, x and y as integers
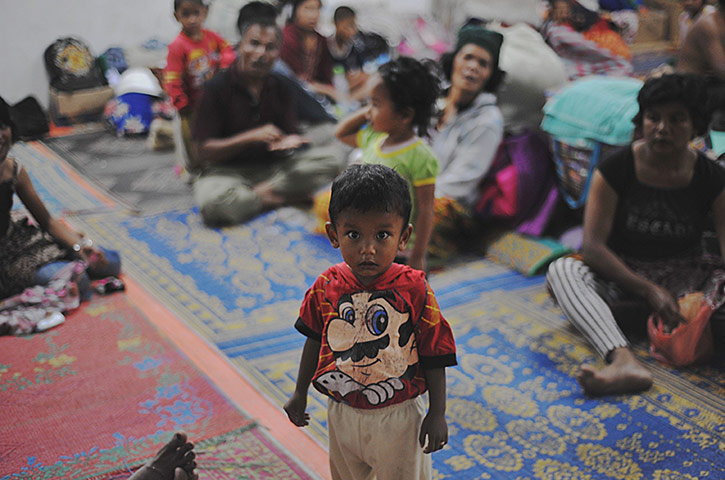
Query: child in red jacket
{"type": "Point", "coordinates": [194, 56]}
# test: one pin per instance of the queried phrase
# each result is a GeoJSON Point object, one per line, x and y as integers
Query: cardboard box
{"type": "Point", "coordinates": [653, 26]}
{"type": "Point", "coordinates": [79, 103]}
{"type": "Point", "coordinates": [672, 8]}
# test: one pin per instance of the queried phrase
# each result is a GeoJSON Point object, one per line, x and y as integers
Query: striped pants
{"type": "Point", "coordinates": [579, 294]}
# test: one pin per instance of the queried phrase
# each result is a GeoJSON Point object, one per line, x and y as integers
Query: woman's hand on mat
{"type": "Point", "coordinates": [295, 408]}
{"type": "Point", "coordinates": [665, 306]}
{"type": "Point", "coordinates": [435, 428]}
{"type": "Point", "coordinates": [94, 257]}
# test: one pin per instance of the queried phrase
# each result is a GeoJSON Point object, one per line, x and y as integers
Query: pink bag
{"type": "Point", "coordinates": [689, 343]}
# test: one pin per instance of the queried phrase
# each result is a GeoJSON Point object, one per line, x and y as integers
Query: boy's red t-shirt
{"type": "Point", "coordinates": [189, 64]}
{"type": "Point", "coordinates": [376, 340]}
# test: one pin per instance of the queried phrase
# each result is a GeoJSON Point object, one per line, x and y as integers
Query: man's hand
{"type": "Point", "coordinates": [295, 408]}
{"type": "Point", "coordinates": [267, 134]}
{"type": "Point", "coordinates": [436, 429]}
{"type": "Point", "coordinates": [288, 142]}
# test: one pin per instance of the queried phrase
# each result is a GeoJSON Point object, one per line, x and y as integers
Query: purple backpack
{"type": "Point", "coordinates": [520, 189]}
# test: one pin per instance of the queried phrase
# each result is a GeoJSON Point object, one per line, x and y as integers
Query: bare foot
{"type": "Point", "coordinates": [624, 375]}
{"type": "Point", "coordinates": [174, 461]}
{"type": "Point", "coordinates": [180, 474]}
{"type": "Point", "coordinates": [269, 198]}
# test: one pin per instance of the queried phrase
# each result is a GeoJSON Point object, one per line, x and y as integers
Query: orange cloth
{"type": "Point", "coordinates": [602, 34]}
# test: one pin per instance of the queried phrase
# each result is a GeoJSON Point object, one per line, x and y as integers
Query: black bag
{"type": "Point", "coordinates": [71, 66]}
{"type": "Point", "coordinates": [29, 119]}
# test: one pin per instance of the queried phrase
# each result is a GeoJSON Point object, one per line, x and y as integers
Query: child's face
{"type": "Point", "coordinates": [368, 241]}
{"type": "Point", "coordinates": [692, 6]}
{"type": "Point", "coordinates": [346, 29]}
{"type": "Point", "coordinates": [308, 14]}
{"type": "Point", "coordinates": [191, 16]}
{"type": "Point", "coordinates": [381, 114]}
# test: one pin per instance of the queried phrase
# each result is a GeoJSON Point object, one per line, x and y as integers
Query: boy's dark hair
{"type": "Point", "coordinates": [343, 13]}
{"type": "Point", "coordinates": [412, 84]}
{"type": "Point", "coordinates": [6, 119]}
{"type": "Point", "coordinates": [370, 187]}
{"type": "Point", "coordinates": [686, 88]}
{"type": "Point", "coordinates": [256, 13]}
{"type": "Point", "coordinates": [177, 3]}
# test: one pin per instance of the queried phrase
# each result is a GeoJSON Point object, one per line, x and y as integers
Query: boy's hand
{"type": "Point", "coordinates": [434, 427]}
{"type": "Point", "coordinates": [295, 408]}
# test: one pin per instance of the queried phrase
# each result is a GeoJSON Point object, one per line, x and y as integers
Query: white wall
{"type": "Point", "coordinates": [27, 27]}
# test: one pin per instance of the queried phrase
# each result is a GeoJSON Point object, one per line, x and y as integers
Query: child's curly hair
{"type": "Point", "coordinates": [412, 85]}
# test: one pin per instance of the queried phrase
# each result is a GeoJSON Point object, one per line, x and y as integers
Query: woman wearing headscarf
{"type": "Point", "coordinates": [468, 133]}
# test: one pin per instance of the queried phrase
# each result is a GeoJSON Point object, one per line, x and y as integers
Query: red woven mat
{"type": "Point", "coordinates": [101, 392]}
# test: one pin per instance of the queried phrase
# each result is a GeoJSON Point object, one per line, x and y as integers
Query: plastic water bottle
{"type": "Point", "coordinates": [343, 90]}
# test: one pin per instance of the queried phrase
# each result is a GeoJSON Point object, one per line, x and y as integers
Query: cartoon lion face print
{"type": "Point", "coordinates": [372, 341]}
{"type": "Point", "coordinates": [75, 59]}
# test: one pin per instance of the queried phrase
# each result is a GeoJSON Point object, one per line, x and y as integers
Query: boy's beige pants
{"type": "Point", "coordinates": [380, 444]}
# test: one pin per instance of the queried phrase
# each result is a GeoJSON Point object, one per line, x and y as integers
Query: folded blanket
{"type": "Point", "coordinates": [596, 108]}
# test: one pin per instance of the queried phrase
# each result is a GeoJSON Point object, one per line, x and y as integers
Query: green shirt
{"type": "Point", "coordinates": [414, 161]}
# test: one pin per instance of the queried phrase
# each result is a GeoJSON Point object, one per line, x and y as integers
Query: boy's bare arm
{"type": "Point", "coordinates": [297, 404]}
{"type": "Point", "coordinates": [434, 424]}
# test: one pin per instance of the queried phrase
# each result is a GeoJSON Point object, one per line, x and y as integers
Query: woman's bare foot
{"type": "Point", "coordinates": [624, 375]}
{"type": "Point", "coordinates": [174, 461]}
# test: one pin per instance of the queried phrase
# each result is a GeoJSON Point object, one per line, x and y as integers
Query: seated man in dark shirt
{"type": "Point", "coordinates": [251, 157]}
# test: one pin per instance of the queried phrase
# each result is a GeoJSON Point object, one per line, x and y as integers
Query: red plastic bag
{"type": "Point", "coordinates": [689, 342]}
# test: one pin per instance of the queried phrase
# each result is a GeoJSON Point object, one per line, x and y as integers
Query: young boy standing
{"type": "Point", "coordinates": [376, 339]}
{"type": "Point", "coordinates": [194, 56]}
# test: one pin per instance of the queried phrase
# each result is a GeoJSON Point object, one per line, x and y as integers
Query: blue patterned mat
{"type": "Point", "coordinates": [515, 410]}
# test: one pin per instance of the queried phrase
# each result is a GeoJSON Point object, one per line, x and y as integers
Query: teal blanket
{"type": "Point", "coordinates": [596, 108]}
